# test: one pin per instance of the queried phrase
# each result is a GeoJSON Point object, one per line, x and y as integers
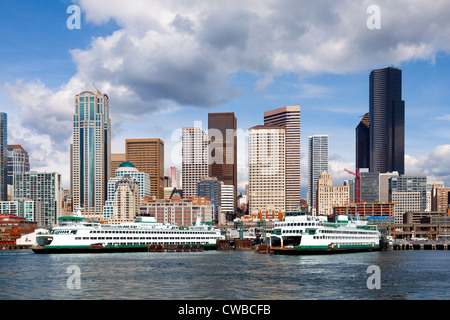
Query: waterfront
{"type": "Point", "coordinates": [216, 275]}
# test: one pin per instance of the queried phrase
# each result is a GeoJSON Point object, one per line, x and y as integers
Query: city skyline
{"type": "Point", "coordinates": [330, 81]}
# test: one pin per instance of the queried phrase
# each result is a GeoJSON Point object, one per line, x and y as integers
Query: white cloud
{"type": "Point", "coordinates": [444, 117]}
{"type": "Point", "coordinates": [173, 54]}
{"type": "Point", "coordinates": [434, 164]}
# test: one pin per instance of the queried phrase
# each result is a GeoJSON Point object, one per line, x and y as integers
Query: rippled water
{"type": "Point", "coordinates": [237, 275]}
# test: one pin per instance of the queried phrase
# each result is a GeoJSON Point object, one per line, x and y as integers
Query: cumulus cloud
{"type": "Point", "coordinates": [177, 54]}
{"type": "Point", "coordinates": [433, 164]}
{"type": "Point", "coordinates": [172, 54]}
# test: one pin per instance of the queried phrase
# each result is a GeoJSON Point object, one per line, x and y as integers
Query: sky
{"type": "Point", "coordinates": [166, 64]}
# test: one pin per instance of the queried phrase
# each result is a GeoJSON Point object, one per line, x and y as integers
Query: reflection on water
{"type": "Point", "coordinates": [241, 275]}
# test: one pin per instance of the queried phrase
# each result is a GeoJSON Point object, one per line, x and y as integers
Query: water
{"type": "Point", "coordinates": [218, 275]}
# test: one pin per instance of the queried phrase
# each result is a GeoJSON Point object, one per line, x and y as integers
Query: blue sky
{"type": "Point", "coordinates": [165, 65]}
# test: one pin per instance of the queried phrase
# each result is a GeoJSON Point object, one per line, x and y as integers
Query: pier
{"type": "Point", "coordinates": [14, 247]}
{"type": "Point", "coordinates": [234, 244]}
{"type": "Point", "coordinates": [420, 246]}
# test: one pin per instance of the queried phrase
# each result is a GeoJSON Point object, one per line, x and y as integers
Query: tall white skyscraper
{"type": "Point", "coordinates": [317, 163]}
{"type": "Point", "coordinates": [91, 151]}
{"type": "Point", "coordinates": [267, 169]}
{"type": "Point", "coordinates": [194, 159]}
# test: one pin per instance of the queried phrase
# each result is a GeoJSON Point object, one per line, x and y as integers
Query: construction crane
{"type": "Point", "coordinates": [357, 179]}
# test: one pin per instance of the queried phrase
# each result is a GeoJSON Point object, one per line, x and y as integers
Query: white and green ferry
{"type": "Point", "coordinates": [302, 233]}
{"type": "Point", "coordinates": [76, 235]}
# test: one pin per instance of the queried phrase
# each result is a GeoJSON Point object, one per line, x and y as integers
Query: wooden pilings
{"type": "Point", "coordinates": [420, 246]}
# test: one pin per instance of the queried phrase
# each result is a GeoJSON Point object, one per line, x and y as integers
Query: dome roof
{"type": "Point", "coordinates": [126, 164]}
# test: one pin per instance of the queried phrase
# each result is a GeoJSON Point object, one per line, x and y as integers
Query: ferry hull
{"type": "Point", "coordinates": [313, 251]}
{"type": "Point", "coordinates": [61, 250]}
{"type": "Point", "coordinates": [47, 250]}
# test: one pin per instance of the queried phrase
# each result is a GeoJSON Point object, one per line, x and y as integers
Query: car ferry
{"type": "Point", "coordinates": [302, 233]}
{"type": "Point", "coordinates": [81, 236]}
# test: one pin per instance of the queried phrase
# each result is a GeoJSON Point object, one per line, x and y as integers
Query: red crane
{"type": "Point", "coordinates": [358, 178]}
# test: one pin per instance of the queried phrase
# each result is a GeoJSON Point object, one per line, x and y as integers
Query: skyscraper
{"type": "Point", "coordinates": [266, 168]}
{"type": "Point", "coordinates": [91, 151]}
{"type": "Point", "coordinates": [222, 149]}
{"type": "Point", "coordinates": [387, 121]}
{"type": "Point", "coordinates": [289, 118]}
{"type": "Point", "coordinates": [194, 159]}
{"type": "Point", "coordinates": [317, 163]}
{"type": "Point", "coordinates": [147, 155]}
{"type": "Point", "coordinates": [363, 143]}
{"type": "Point", "coordinates": [3, 156]}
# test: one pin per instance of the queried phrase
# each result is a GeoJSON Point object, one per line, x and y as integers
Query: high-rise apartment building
{"type": "Point", "coordinates": [147, 155]}
{"type": "Point", "coordinates": [18, 161]}
{"type": "Point", "coordinates": [223, 148]}
{"type": "Point", "coordinates": [387, 121]}
{"type": "Point", "coordinates": [45, 190]}
{"type": "Point", "coordinates": [91, 151]}
{"type": "Point", "coordinates": [289, 118]}
{"type": "Point", "coordinates": [22, 207]}
{"type": "Point", "coordinates": [194, 159]}
{"type": "Point", "coordinates": [3, 156]}
{"type": "Point", "coordinates": [317, 163]}
{"type": "Point", "coordinates": [267, 168]}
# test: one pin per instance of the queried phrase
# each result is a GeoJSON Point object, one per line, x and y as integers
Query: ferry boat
{"type": "Point", "coordinates": [81, 236]}
{"type": "Point", "coordinates": [302, 233]}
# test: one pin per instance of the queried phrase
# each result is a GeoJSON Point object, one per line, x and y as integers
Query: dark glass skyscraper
{"type": "Point", "coordinates": [387, 121]}
{"type": "Point", "coordinates": [222, 128]}
{"type": "Point", "coordinates": [363, 143]}
{"type": "Point", "coordinates": [3, 156]}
